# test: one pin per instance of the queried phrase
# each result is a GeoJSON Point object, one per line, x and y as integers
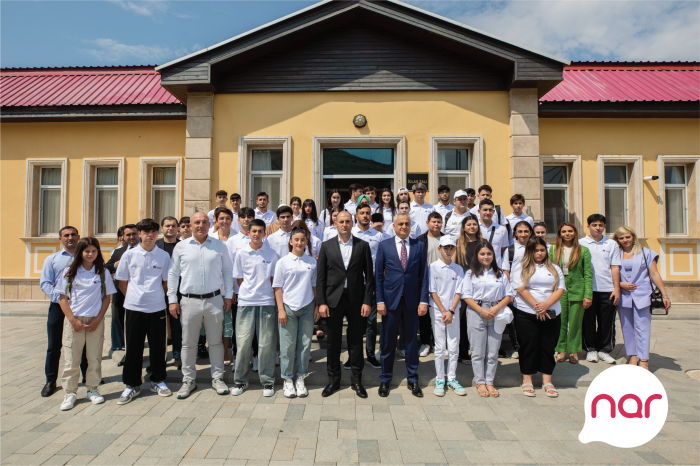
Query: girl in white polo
{"type": "Point", "coordinates": [85, 288]}
{"type": "Point", "coordinates": [295, 294]}
{"type": "Point", "coordinates": [331, 231]}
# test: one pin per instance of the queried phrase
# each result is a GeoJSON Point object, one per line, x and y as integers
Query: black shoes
{"type": "Point", "coordinates": [330, 389]}
{"type": "Point", "coordinates": [48, 389]}
{"type": "Point", "coordinates": [384, 389]}
{"type": "Point", "coordinates": [346, 365]}
{"type": "Point", "coordinates": [359, 389]}
{"type": "Point", "coordinates": [374, 363]}
{"type": "Point", "coordinates": [122, 362]}
{"type": "Point", "coordinates": [415, 389]}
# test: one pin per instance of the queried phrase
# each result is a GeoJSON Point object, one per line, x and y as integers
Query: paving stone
{"type": "Point", "coordinates": [201, 447]}
{"type": "Point", "coordinates": [300, 429]}
{"type": "Point", "coordinates": [114, 460]}
{"type": "Point", "coordinates": [58, 460]}
{"type": "Point", "coordinates": [652, 457]}
{"type": "Point", "coordinates": [229, 427]}
{"type": "Point", "coordinates": [81, 460]}
{"type": "Point", "coordinates": [253, 448]}
{"type": "Point", "coordinates": [89, 444]}
{"type": "Point", "coordinates": [407, 413]}
{"type": "Point", "coordinates": [269, 411]}
{"type": "Point", "coordinates": [337, 450]}
{"type": "Point", "coordinates": [221, 448]}
{"type": "Point", "coordinates": [338, 412]}
{"type": "Point", "coordinates": [295, 412]}
{"type": "Point", "coordinates": [170, 447]}
{"type": "Point", "coordinates": [368, 451]}
{"type": "Point", "coordinates": [421, 451]}
{"type": "Point", "coordinates": [284, 449]}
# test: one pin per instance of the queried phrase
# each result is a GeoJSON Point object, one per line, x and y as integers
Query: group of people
{"type": "Point", "coordinates": [256, 286]}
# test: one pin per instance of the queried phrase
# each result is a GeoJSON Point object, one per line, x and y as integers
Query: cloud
{"type": "Point", "coordinates": [150, 8]}
{"type": "Point", "coordinates": [587, 30]}
{"type": "Point", "coordinates": [111, 51]}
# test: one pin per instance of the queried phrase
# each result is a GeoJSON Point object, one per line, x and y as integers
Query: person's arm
{"type": "Point", "coordinates": [321, 281]}
{"type": "Point", "coordinates": [656, 277]}
{"type": "Point", "coordinates": [113, 261]}
{"type": "Point", "coordinates": [123, 285]}
{"type": "Point", "coordinates": [92, 325]}
{"type": "Point", "coordinates": [227, 271]}
{"type": "Point", "coordinates": [281, 313]}
{"type": "Point", "coordinates": [46, 282]}
{"type": "Point", "coordinates": [174, 282]}
{"type": "Point", "coordinates": [585, 260]}
{"type": "Point", "coordinates": [615, 295]}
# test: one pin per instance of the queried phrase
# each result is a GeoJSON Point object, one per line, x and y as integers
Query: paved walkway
{"type": "Point", "coordinates": [251, 429]}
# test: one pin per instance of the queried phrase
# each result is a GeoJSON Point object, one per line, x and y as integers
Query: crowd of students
{"type": "Point", "coordinates": [256, 286]}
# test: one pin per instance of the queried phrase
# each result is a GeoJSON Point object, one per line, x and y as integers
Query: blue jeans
{"type": "Point", "coordinates": [295, 340]}
{"type": "Point", "coordinates": [252, 320]}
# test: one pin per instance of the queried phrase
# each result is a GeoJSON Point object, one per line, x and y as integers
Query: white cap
{"type": "Point", "coordinates": [502, 319]}
{"type": "Point", "coordinates": [459, 193]}
{"type": "Point", "coordinates": [447, 240]}
{"type": "Point", "coordinates": [402, 189]}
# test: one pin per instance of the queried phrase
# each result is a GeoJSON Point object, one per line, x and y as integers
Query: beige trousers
{"type": "Point", "coordinates": [73, 343]}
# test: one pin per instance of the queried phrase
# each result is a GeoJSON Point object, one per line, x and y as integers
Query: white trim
{"type": "Point", "coordinates": [245, 146]}
{"type": "Point", "coordinates": [635, 184]}
{"type": "Point", "coordinates": [86, 226]}
{"type": "Point", "coordinates": [475, 144]}
{"type": "Point", "coordinates": [690, 260]}
{"type": "Point", "coordinates": [31, 204]}
{"type": "Point", "coordinates": [661, 162]}
{"type": "Point", "coordinates": [575, 185]}
{"type": "Point", "coordinates": [27, 259]}
{"type": "Point", "coordinates": [36, 256]}
{"type": "Point", "coordinates": [145, 177]}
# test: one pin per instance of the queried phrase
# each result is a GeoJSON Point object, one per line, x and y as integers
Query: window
{"type": "Point", "coordinates": [615, 197]}
{"type": "Point", "coordinates": [366, 165]}
{"type": "Point", "coordinates": [676, 208]}
{"type": "Point", "coordinates": [106, 200]}
{"type": "Point", "coordinates": [266, 175]}
{"type": "Point", "coordinates": [50, 201]}
{"type": "Point", "coordinates": [555, 183]}
{"type": "Point", "coordinates": [454, 167]}
{"type": "Point", "coordinates": [163, 193]}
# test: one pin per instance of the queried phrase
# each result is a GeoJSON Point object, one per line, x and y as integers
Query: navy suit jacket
{"type": "Point", "coordinates": [392, 280]}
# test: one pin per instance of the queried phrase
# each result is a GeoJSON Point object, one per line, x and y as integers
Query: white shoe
{"type": "Point", "coordinates": [187, 388]}
{"type": "Point", "coordinates": [238, 388]}
{"type": "Point", "coordinates": [255, 364]}
{"type": "Point", "coordinates": [515, 355]}
{"type": "Point", "coordinates": [424, 351]}
{"type": "Point", "coordinates": [268, 390]}
{"type": "Point", "coordinates": [69, 401]}
{"type": "Point", "coordinates": [301, 388]}
{"type": "Point", "coordinates": [605, 357]}
{"type": "Point", "coordinates": [289, 390]}
{"type": "Point", "coordinates": [277, 359]}
{"type": "Point", "coordinates": [161, 389]}
{"type": "Point", "coordinates": [220, 387]}
{"type": "Point", "coordinates": [95, 397]}
{"type": "Point", "coordinates": [592, 356]}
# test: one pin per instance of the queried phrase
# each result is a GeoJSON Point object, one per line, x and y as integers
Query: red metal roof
{"type": "Point", "coordinates": [628, 81]}
{"type": "Point", "coordinates": [113, 85]}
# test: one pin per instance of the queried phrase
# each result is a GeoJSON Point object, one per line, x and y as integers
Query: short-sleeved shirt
{"type": "Point", "coordinates": [514, 220]}
{"type": "Point", "coordinates": [329, 232]}
{"type": "Point", "coordinates": [486, 287]}
{"type": "Point", "coordinates": [145, 271]}
{"type": "Point", "coordinates": [453, 225]}
{"type": "Point", "coordinates": [316, 229]}
{"type": "Point", "coordinates": [419, 214]}
{"type": "Point", "coordinates": [539, 286]}
{"type": "Point", "coordinates": [500, 237]}
{"type": "Point", "coordinates": [432, 249]}
{"type": "Point", "coordinates": [518, 254]}
{"type": "Point", "coordinates": [255, 268]}
{"type": "Point", "coordinates": [445, 281]}
{"type": "Point", "coordinates": [315, 247]}
{"type": "Point", "coordinates": [351, 207]}
{"type": "Point", "coordinates": [297, 278]}
{"type": "Point", "coordinates": [373, 237]}
{"type": "Point", "coordinates": [86, 292]}
{"type": "Point", "coordinates": [279, 242]}
{"type": "Point", "coordinates": [443, 209]}
{"type": "Point", "coordinates": [268, 217]}
{"type": "Point", "coordinates": [389, 215]}
{"type": "Point", "coordinates": [604, 254]}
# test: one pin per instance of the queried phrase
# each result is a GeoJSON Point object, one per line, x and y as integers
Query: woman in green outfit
{"type": "Point", "coordinates": [575, 262]}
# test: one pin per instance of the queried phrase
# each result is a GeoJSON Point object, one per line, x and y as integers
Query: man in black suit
{"type": "Point", "coordinates": [345, 287]}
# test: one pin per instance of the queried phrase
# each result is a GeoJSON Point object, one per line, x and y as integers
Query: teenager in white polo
{"type": "Point", "coordinates": [143, 277]}
{"type": "Point", "coordinates": [254, 268]}
{"type": "Point", "coordinates": [420, 209]}
{"type": "Point", "coordinates": [491, 231]}
{"type": "Point", "coordinates": [262, 212]}
{"type": "Point", "coordinates": [279, 240]}
{"type": "Point", "coordinates": [453, 219]}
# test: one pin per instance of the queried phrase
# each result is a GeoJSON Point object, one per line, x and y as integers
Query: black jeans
{"type": "Point", "coordinates": [54, 331]}
{"type": "Point", "coordinates": [603, 313]}
{"type": "Point", "coordinates": [537, 339]}
{"type": "Point", "coordinates": [140, 325]}
{"type": "Point", "coordinates": [425, 328]}
{"type": "Point", "coordinates": [357, 325]}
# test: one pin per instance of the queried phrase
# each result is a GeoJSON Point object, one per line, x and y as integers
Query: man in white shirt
{"type": "Point", "coordinates": [262, 213]}
{"type": "Point", "coordinates": [453, 220]}
{"type": "Point", "coordinates": [495, 234]}
{"type": "Point", "coordinates": [143, 276]}
{"type": "Point", "coordinates": [517, 203]}
{"type": "Point", "coordinates": [355, 193]}
{"type": "Point", "coordinates": [420, 209]}
{"type": "Point", "coordinates": [485, 192]}
{"type": "Point", "coordinates": [605, 259]}
{"type": "Point", "coordinates": [221, 198]}
{"type": "Point", "coordinates": [371, 193]}
{"type": "Point", "coordinates": [444, 205]}
{"type": "Point", "coordinates": [235, 201]}
{"type": "Point", "coordinates": [279, 240]}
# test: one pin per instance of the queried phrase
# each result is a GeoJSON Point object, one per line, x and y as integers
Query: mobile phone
{"type": "Point", "coordinates": [551, 313]}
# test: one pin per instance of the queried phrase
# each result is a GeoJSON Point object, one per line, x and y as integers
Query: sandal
{"type": "Point", "coordinates": [560, 357]}
{"type": "Point", "coordinates": [573, 358]}
{"type": "Point", "coordinates": [493, 393]}
{"type": "Point", "coordinates": [645, 362]}
{"type": "Point", "coordinates": [484, 393]}
{"type": "Point", "coordinates": [528, 391]}
{"type": "Point", "coordinates": [551, 392]}
{"type": "Point", "coordinates": [468, 362]}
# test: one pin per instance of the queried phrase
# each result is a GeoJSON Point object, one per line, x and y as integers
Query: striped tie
{"type": "Point", "coordinates": [404, 256]}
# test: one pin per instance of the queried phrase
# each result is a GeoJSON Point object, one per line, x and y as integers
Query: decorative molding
{"type": "Point", "coordinates": [692, 230]}
{"type": "Point", "coordinates": [575, 181]}
{"type": "Point", "coordinates": [678, 240]}
{"type": "Point", "coordinates": [635, 186]}
{"type": "Point", "coordinates": [475, 144]}
{"type": "Point", "coordinates": [245, 145]}
{"type": "Point", "coordinates": [37, 268]}
{"type": "Point", "coordinates": [31, 204]}
{"type": "Point", "coordinates": [145, 177]}
{"type": "Point", "coordinates": [690, 252]}
{"type": "Point", "coordinates": [87, 223]}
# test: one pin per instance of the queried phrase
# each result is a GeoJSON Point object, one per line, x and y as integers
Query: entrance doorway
{"type": "Point", "coordinates": [372, 166]}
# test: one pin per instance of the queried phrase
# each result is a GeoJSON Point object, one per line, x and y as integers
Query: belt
{"type": "Point", "coordinates": [202, 296]}
{"type": "Point", "coordinates": [487, 303]}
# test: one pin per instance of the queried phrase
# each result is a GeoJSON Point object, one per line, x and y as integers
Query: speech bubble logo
{"type": "Point", "coordinates": [626, 406]}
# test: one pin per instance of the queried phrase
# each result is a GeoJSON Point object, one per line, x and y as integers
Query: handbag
{"type": "Point", "coordinates": [656, 298]}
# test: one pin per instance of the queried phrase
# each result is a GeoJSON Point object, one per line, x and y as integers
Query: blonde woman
{"type": "Point", "coordinates": [637, 272]}
{"type": "Point", "coordinates": [539, 285]}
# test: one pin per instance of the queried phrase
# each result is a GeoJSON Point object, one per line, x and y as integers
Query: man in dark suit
{"type": "Point", "coordinates": [402, 296]}
{"type": "Point", "coordinates": [345, 287]}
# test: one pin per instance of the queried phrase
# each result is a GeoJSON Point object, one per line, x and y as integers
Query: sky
{"type": "Point", "coordinates": [124, 32]}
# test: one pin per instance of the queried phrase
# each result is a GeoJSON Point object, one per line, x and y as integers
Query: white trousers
{"type": "Point", "coordinates": [484, 341]}
{"type": "Point", "coordinates": [193, 313]}
{"type": "Point", "coordinates": [446, 340]}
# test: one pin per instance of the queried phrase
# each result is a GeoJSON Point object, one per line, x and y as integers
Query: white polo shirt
{"type": "Point", "coordinates": [604, 254]}
{"type": "Point", "coordinates": [500, 237]}
{"type": "Point", "coordinates": [501, 218]}
{"type": "Point", "coordinates": [373, 237]}
{"type": "Point", "coordinates": [329, 232]}
{"type": "Point", "coordinates": [315, 229]}
{"type": "Point", "coordinates": [443, 209]}
{"type": "Point", "coordinates": [351, 207]}
{"type": "Point", "coordinates": [518, 254]}
{"type": "Point", "coordinates": [374, 208]}
{"type": "Point", "coordinates": [453, 226]}
{"type": "Point", "coordinates": [145, 271]}
{"type": "Point", "coordinates": [315, 247]}
{"type": "Point", "coordinates": [486, 287]}
{"type": "Point", "coordinates": [446, 281]}
{"type": "Point", "coordinates": [255, 268]}
{"type": "Point", "coordinates": [539, 286]}
{"type": "Point", "coordinates": [514, 220]}
{"type": "Point", "coordinates": [419, 214]}
{"type": "Point", "coordinates": [279, 242]}
{"type": "Point", "coordinates": [388, 219]}
{"type": "Point", "coordinates": [268, 217]}
{"type": "Point", "coordinates": [297, 278]}
{"type": "Point", "coordinates": [86, 292]}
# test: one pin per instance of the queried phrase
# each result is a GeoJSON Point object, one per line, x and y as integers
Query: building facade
{"type": "Point", "coordinates": [376, 92]}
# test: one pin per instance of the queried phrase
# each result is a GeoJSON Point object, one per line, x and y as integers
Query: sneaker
{"type": "Point", "coordinates": [605, 357]}
{"type": "Point", "coordinates": [160, 388]}
{"type": "Point", "coordinates": [255, 364]}
{"type": "Point", "coordinates": [95, 397]}
{"type": "Point", "coordinates": [592, 356]}
{"type": "Point", "coordinates": [302, 392]}
{"type": "Point", "coordinates": [289, 390]}
{"type": "Point", "coordinates": [346, 365]}
{"type": "Point", "coordinates": [69, 401]}
{"type": "Point", "coordinates": [129, 394]}
{"type": "Point", "coordinates": [277, 358]}
{"type": "Point", "coordinates": [220, 387]}
{"type": "Point", "coordinates": [424, 351]}
{"type": "Point", "coordinates": [456, 387]}
{"type": "Point", "coordinates": [374, 363]}
{"type": "Point", "coordinates": [186, 388]}
{"type": "Point", "coordinates": [515, 354]}
{"type": "Point", "coordinates": [238, 388]}
{"type": "Point", "coordinates": [402, 353]}
{"type": "Point", "coordinates": [268, 390]}
{"type": "Point", "coordinates": [439, 388]}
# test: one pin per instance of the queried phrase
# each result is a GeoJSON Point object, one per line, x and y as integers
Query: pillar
{"type": "Point", "coordinates": [525, 176]}
{"type": "Point", "coordinates": [198, 152]}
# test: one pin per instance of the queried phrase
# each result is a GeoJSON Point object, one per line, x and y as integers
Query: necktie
{"type": "Point", "coordinates": [404, 256]}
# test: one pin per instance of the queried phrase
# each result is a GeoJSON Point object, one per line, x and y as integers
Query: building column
{"type": "Point", "coordinates": [525, 176]}
{"type": "Point", "coordinates": [198, 152]}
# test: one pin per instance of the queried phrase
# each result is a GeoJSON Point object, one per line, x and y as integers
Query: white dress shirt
{"type": "Point", "coordinates": [256, 268]}
{"type": "Point", "coordinates": [200, 268]}
{"type": "Point", "coordinates": [346, 252]}
{"type": "Point", "coordinates": [514, 220]}
{"type": "Point", "coordinates": [268, 217]}
{"type": "Point", "coordinates": [446, 281]}
{"type": "Point", "coordinates": [419, 214]}
{"type": "Point", "coordinates": [604, 254]}
{"type": "Point", "coordinates": [315, 247]}
{"type": "Point", "coordinates": [539, 286]}
{"type": "Point", "coordinates": [279, 242]}
{"type": "Point", "coordinates": [145, 271]}
{"type": "Point", "coordinates": [329, 232]}
{"type": "Point", "coordinates": [486, 287]}
{"type": "Point", "coordinates": [297, 278]}
{"type": "Point", "coordinates": [398, 241]}
{"type": "Point", "coordinates": [86, 293]}
{"type": "Point", "coordinates": [443, 209]}
{"type": "Point", "coordinates": [373, 237]}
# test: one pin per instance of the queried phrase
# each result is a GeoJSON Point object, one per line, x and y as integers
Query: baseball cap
{"type": "Point", "coordinates": [401, 190]}
{"type": "Point", "coordinates": [447, 241]}
{"type": "Point", "coordinates": [502, 319]}
{"type": "Point", "coordinates": [459, 193]}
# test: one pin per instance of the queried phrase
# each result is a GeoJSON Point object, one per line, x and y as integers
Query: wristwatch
{"type": "Point", "coordinates": [450, 310]}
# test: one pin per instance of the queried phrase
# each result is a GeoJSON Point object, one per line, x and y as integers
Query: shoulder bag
{"type": "Point", "coordinates": [656, 298]}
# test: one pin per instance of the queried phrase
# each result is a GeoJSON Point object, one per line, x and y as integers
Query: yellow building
{"type": "Point", "coordinates": [275, 110]}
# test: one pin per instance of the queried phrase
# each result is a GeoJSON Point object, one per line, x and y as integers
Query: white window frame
{"type": "Point", "coordinates": [635, 188]}
{"type": "Point", "coordinates": [246, 145]}
{"type": "Point", "coordinates": [475, 151]}
{"type": "Point", "coordinates": [89, 219]}
{"type": "Point", "coordinates": [32, 216]}
{"type": "Point", "coordinates": [552, 229]}
{"type": "Point", "coordinates": [684, 189]}
{"type": "Point", "coordinates": [624, 186]}
{"type": "Point", "coordinates": [276, 174]}
{"type": "Point", "coordinates": [575, 196]}
{"type": "Point", "coordinates": [692, 199]}
{"type": "Point", "coordinates": [146, 185]}
{"type": "Point", "coordinates": [162, 187]}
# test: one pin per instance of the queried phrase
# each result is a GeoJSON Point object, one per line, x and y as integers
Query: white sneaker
{"type": "Point", "coordinates": [255, 364]}
{"type": "Point", "coordinates": [302, 392]}
{"type": "Point", "coordinates": [69, 401]}
{"type": "Point", "coordinates": [186, 388]}
{"type": "Point", "coordinates": [277, 359]}
{"type": "Point", "coordinates": [220, 387]}
{"type": "Point", "coordinates": [515, 354]}
{"type": "Point", "coordinates": [161, 389]}
{"type": "Point", "coordinates": [238, 388]}
{"type": "Point", "coordinates": [95, 397]}
{"type": "Point", "coordinates": [592, 356]}
{"type": "Point", "coordinates": [129, 394]}
{"type": "Point", "coordinates": [424, 351]}
{"type": "Point", "coordinates": [268, 390]}
{"type": "Point", "coordinates": [605, 357]}
{"type": "Point", "coordinates": [289, 390]}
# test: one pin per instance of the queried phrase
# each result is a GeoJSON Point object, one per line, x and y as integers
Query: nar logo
{"type": "Point", "coordinates": [626, 406]}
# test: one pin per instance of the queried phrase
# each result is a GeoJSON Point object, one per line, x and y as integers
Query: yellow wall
{"type": "Point", "coordinates": [73, 141]}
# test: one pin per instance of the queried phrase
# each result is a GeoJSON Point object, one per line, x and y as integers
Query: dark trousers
{"type": "Point", "coordinates": [54, 331]}
{"type": "Point", "coordinates": [397, 318]}
{"type": "Point", "coordinates": [537, 339]}
{"type": "Point", "coordinates": [463, 339]}
{"type": "Point", "coordinates": [425, 327]}
{"type": "Point", "coordinates": [603, 313]}
{"type": "Point", "coordinates": [118, 306]}
{"type": "Point", "coordinates": [371, 332]}
{"type": "Point", "coordinates": [115, 330]}
{"type": "Point", "coordinates": [140, 325]}
{"type": "Point", "coordinates": [175, 335]}
{"type": "Point", "coordinates": [356, 330]}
